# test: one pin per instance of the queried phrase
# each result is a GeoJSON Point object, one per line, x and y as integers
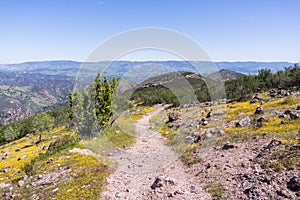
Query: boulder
{"type": "Point", "coordinates": [173, 116]}
{"type": "Point", "coordinates": [209, 115]}
{"type": "Point", "coordinates": [203, 121]}
{"type": "Point", "coordinates": [259, 110]}
{"type": "Point", "coordinates": [273, 93]}
{"type": "Point", "coordinates": [261, 119]}
{"type": "Point", "coordinates": [161, 181]}
{"type": "Point", "coordinates": [294, 115]}
{"type": "Point", "coordinates": [228, 146]}
{"type": "Point", "coordinates": [244, 122]}
{"type": "Point", "coordinates": [255, 99]}
{"type": "Point", "coordinates": [287, 112]}
{"type": "Point", "coordinates": [294, 184]}
{"type": "Point", "coordinates": [282, 116]}
{"type": "Point", "coordinates": [21, 183]}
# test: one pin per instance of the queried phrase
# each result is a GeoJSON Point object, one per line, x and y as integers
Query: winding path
{"type": "Point", "coordinates": [148, 158]}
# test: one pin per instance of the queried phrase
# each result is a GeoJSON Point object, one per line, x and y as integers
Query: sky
{"type": "Point", "coordinates": [228, 30]}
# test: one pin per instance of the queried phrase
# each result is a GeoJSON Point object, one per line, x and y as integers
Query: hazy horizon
{"type": "Point", "coordinates": [234, 61]}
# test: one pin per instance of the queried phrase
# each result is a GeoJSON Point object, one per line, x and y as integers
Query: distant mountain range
{"type": "Point", "coordinates": [32, 87]}
{"type": "Point", "coordinates": [138, 71]}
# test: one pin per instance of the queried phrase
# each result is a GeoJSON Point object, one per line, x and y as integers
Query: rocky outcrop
{"type": "Point", "coordinates": [279, 93]}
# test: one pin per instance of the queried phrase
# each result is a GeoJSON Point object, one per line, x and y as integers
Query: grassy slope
{"type": "Point", "coordinates": [84, 176]}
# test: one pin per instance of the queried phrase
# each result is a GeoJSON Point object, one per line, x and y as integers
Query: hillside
{"type": "Point", "coordinates": [236, 151]}
{"type": "Point", "coordinates": [32, 87]}
{"type": "Point", "coordinates": [51, 162]}
{"type": "Point", "coordinates": [172, 88]}
{"type": "Point", "coordinates": [231, 154]}
{"type": "Point", "coordinates": [225, 75]}
{"type": "Point", "coordinates": [23, 95]}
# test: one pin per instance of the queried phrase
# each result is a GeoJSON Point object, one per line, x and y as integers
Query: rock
{"type": "Point", "coordinates": [259, 125]}
{"type": "Point", "coordinates": [3, 170]}
{"type": "Point", "coordinates": [209, 115]}
{"type": "Point", "coordinates": [282, 116]}
{"type": "Point", "coordinates": [178, 192]}
{"type": "Point", "coordinates": [244, 122]}
{"type": "Point", "coordinates": [194, 189]}
{"type": "Point", "coordinates": [173, 116]}
{"type": "Point", "coordinates": [82, 151]}
{"type": "Point", "coordinates": [282, 92]}
{"type": "Point", "coordinates": [261, 119]}
{"type": "Point", "coordinates": [259, 110]}
{"type": "Point", "coordinates": [254, 100]}
{"type": "Point", "coordinates": [54, 191]}
{"type": "Point", "coordinates": [273, 93]}
{"type": "Point", "coordinates": [161, 181]}
{"type": "Point", "coordinates": [228, 146]}
{"type": "Point", "coordinates": [287, 112]}
{"type": "Point", "coordinates": [157, 183]}
{"type": "Point", "coordinates": [21, 183]}
{"type": "Point", "coordinates": [283, 193]}
{"type": "Point", "coordinates": [22, 157]}
{"type": "Point", "coordinates": [294, 115]}
{"type": "Point", "coordinates": [294, 184]}
{"type": "Point", "coordinates": [49, 160]}
{"type": "Point", "coordinates": [204, 123]}
{"type": "Point", "coordinates": [18, 149]}
{"type": "Point", "coordinates": [26, 146]}
{"type": "Point", "coordinates": [4, 185]}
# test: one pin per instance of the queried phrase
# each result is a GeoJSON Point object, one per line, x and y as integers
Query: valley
{"type": "Point", "coordinates": [161, 146]}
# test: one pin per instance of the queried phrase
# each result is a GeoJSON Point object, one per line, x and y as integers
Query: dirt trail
{"type": "Point", "coordinates": [148, 158]}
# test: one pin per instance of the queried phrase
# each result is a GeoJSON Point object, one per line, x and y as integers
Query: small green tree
{"type": "Point", "coordinates": [92, 109]}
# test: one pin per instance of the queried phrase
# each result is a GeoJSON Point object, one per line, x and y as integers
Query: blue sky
{"type": "Point", "coordinates": [230, 30]}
